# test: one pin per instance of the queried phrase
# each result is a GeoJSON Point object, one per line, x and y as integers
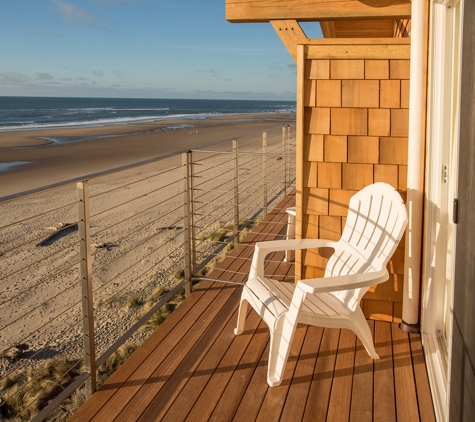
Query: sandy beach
{"type": "Point", "coordinates": [49, 163]}
{"type": "Point", "coordinates": [136, 223]}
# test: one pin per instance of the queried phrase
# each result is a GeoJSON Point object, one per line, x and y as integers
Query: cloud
{"type": "Point", "coordinates": [14, 79]}
{"type": "Point", "coordinates": [77, 17]}
{"type": "Point", "coordinates": [98, 73]}
{"type": "Point", "coordinates": [282, 68]}
{"type": "Point", "coordinates": [45, 76]}
{"type": "Point", "coordinates": [117, 73]}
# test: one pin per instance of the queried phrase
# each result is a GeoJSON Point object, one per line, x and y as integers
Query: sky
{"type": "Point", "coordinates": [140, 49]}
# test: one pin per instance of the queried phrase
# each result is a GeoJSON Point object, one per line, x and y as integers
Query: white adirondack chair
{"type": "Point", "coordinates": [375, 223]}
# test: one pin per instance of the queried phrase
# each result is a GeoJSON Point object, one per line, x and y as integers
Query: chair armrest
{"type": "Point", "coordinates": [292, 245]}
{"type": "Point", "coordinates": [262, 249]}
{"type": "Point", "coordinates": [342, 282]}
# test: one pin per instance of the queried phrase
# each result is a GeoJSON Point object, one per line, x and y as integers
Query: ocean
{"type": "Point", "coordinates": [27, 113]}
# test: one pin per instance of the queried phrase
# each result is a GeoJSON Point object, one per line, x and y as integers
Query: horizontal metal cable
{"type": "Point", "coordinates": [54, 404]}
{"type": "Point", "coordinates": [39, 283]}
{"type": "Point", "coordinates": [223, 193]}
{"type": "Point", "coordinates": [220, 280]}
{"type": "Point", "coordinates": [147, 239]}
{"type": "Point", "coordinates": [208, 163]}
{"type": "Point", "coordinates": [212, 178]}
{"type": "Point", "coordinates": [39, 260]}
{"type": "Point", "coordinates": [104, 284]}
{"type": "Point", "coordinates": [39, 215]}
{"type": "Point", "coordinates": [254, 153]}
{"type": "Point", "coordinates": [117, 292]}
{"type": "Point", "coordinates": [213, 165]}
{"type": "Point", "coordinates": [27, 384]}
{"type": "Point", "coordinates": [134, 264]}
{"type": "Point", "coordinates": [203, 180]}
{"type": "Point", "coordinates": [173, 265]}
{"type": "Point", "coordinates": [214, 221]}
{"type": "Point", "coordinates": [127, 202]}
{"type": "Point", "coordinates": [138, 214]}
{"type": "Point", "coordinates": [170, 170]}
{"type": "Point", "coordinates": [50, 341]}
{"type": "Point", "coordinates": [205, 214]}
{"type": "Point", "coordinates": [136, 230]}
{"type": "Point", "coordinates": [165, 299]}
{"type": "Point", "coordinates": [39, 306]}
{"type": "Point", "coordinates": [51, 276]}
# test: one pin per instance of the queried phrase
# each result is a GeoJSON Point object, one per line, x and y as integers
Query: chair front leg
{"type": "Point", "coordinates": [242, 313]}
{"type": "Point", "coordinates": [281, 339]}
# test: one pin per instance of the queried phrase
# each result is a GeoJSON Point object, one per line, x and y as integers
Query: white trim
{"type": "Point", "coordinates": [436, 216]}
{"type": "Point", "coordinates": [437, 377]}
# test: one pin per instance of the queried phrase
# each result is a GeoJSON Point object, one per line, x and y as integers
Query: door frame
{"type": "Point", "coordinates": [441, 189]}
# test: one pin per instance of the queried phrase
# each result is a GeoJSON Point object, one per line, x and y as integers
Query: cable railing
{"type": "Point", "coordinates": [93, 264]}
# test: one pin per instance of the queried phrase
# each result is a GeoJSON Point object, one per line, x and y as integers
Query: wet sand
{"type": "Point", "coordinates": [51, 163]}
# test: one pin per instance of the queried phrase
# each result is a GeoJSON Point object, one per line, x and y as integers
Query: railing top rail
{"type": "Point", "coordinates": [121, 168]}
{"type": "Point", "coordinates": [204, 151]}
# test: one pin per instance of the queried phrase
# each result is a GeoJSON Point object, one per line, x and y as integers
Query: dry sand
{"type": "Point", "coordinates": [51, 164]}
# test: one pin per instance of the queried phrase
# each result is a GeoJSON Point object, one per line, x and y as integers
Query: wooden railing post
{"type": "Point", "coordinates": [264, 169]}
{"type": "Point", "coordinates": [186, 160]}
{"type": "Point", "coordinates": [86, 285]}
{"type": "Point", "coordinates": [236, 191]}
{"type": "Point", "coordinates": [284, 148]}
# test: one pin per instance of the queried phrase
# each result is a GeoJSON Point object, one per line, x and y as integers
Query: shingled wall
{"type": "Point", "coordinates": [354, 118]}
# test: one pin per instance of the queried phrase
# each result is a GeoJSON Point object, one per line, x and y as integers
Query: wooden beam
{"type": "Point", "coordinates": [315, 10]}
{"type": "Point", "coordinates": [364, 48]}
{"type": "Point", "coordinates": [380, 28]}
{"type": "Point", "coordinates": [328, 29]}
{"type": "Point", "coordinates": [291, 35]}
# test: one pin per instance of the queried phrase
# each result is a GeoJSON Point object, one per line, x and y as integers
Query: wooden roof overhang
{"type": "Point", "coordinates": [338, 18]}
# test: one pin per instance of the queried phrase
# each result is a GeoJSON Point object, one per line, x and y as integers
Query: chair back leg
{"type": "Point", "coordinates": [360, 327]}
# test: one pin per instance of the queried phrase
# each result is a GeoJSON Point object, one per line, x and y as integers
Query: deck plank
{"type": "Point", "coordinates": [320, 388]}
{"type": "Point", "coordinates": [406, 398]}
{"type": "Point", "coordinates": [209, 398]}
{"type": "Point", "coordinates": [167, 359]}
{"type": "Point", "coordinates": [173, 386]}
{"type": "Point", "coordinates": [197, 382]}
{"type": "Point", "coordinates": [115, 383]}
{"type": "Point", "coordinates": [299, 389]}
{"type": "Point", "coordinates": [256, 391]}
{"type": "Point", "coordinates": [385, 400]}
{"type": "Point", "coordinates": [340, 399]}
{"type": "Point", "coordinates": [426, 409]}
{"type": "Point", "coordinates": [362, 395]}
{"type": "Point", "coordinates": [275, 397]}
{"type": "Point", "coordinates": [237, 385]}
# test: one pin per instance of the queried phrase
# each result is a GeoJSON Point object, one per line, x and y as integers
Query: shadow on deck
{"type": "Point", "coordinates": [193, 367]}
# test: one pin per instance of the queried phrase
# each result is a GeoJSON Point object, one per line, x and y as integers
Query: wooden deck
{"type": "Point", "coordinates": [193, 367]}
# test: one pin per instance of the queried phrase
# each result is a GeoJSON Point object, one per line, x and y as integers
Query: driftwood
{"type": "Point", "coordinates": [52, 237]}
